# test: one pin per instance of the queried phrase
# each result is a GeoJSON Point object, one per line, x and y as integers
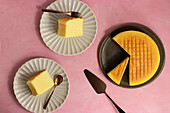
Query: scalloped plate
{"type": "Point", "coordinates": [36, 103]}
{"type": "Point", "coordinates": [71, 45]}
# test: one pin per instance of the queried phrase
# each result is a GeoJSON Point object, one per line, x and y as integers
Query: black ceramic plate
{"type": "Point", "coordinates": [111, 53]}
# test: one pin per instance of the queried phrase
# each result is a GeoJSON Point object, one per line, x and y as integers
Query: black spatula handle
{"type": "Point", "coordinates": [118, 108]}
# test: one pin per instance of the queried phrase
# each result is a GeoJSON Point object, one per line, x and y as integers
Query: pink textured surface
{"type": "Point", "coordinates": [20, 41]}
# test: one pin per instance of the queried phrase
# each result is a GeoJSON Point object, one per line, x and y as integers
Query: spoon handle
{"type": "Point", "coordinates": [46, 104]}
{"type": "Point", "coordinates": [118, 108]}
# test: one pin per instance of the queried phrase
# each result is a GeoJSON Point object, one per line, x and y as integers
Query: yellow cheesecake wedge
{"type": "Point", "coordinates": [70, 27]}
{"type": "Point", "coordinates": [117, 73]}
{"type": "Point", "coordinates": [144, 55]}
{"type": "Point", "coordinates": [40, 83]}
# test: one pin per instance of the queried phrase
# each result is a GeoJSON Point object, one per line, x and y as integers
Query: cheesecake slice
{"type": "Point", "coordinates": [40, 83]}
{"type": "Point", "coordinates": [70, 27]}
{"type": "Point", "coordinates": [117, 73]}
{"type": "Point", "coordinates": [144, 55]}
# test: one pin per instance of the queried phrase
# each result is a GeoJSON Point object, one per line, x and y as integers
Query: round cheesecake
{"type": "Point", "coordinates": [144, 55]}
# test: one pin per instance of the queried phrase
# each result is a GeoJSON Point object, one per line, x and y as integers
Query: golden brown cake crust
{"type": "Point", "coordinates": [144, 55]}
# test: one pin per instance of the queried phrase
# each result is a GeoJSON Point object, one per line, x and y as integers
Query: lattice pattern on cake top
{"type": "Point", "coordinates": [144, 55]}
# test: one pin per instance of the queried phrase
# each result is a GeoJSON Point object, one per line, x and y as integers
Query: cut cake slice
{"type": "Point", "coordinates": [70, 27]}
{"type": "Point", "coordinates": [40, 83]}
{"type": "Point", "coordinates": [117, 73]}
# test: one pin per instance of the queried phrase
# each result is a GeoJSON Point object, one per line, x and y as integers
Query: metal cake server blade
{"type": "Point", "coordinates": [99, 86]}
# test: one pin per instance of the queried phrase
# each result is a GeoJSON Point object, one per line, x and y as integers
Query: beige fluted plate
{"type": "Point", "coordinates": [71, 45]}
{"type": "Point", "coordinates": [36, 103]}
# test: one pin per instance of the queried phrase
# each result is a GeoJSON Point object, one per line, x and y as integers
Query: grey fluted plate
{"type": "Point", "coordinates": [70, 45]}
{"type": "Point", "coordinates": [36, 103]}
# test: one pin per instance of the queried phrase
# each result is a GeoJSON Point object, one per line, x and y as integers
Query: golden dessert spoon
{"type": "Point", "coordinates": [72, 14]}
{"type": "Point", "coordinates": [57, 82]}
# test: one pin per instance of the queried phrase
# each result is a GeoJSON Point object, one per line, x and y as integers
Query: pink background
{"type": "Point", "coordinates": [20, 41]}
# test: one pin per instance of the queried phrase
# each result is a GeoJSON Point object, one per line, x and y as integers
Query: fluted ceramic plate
{"type": "Point", "coordinates": [36, 103]}
{"type": "Point", "coordinates": [70, 45]}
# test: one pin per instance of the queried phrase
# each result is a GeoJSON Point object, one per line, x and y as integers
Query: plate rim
{"type": "Point", "coordinates": [138, 26]}
{"type": "Point", "coordinates": [72, 54]}
{"type": "Point", "coordinates": [44, 59]}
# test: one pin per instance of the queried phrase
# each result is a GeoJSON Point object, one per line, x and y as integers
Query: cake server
{"type": "Point", "coordinates": [99, 86]}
